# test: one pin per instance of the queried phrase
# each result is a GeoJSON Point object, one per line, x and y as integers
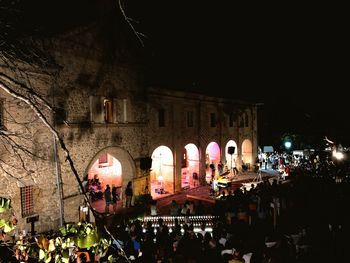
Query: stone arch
{"type": "Point", "coordinates": [231, 158]}
{"type": "Point", "coordinates": [212, 157]}
{"type": "Point", "coordinates": [247, 152]}
{"type": "Point", "coordinates": [190, 167]}
{"type": "Point", "coordinates": [162, 172]}
{"type": "Point", "coordinates": [119, 163]}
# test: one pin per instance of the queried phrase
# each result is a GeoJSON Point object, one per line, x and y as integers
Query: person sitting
{"type": "Point", "coordinates": [95, 193]}
{"type": "Point", "coordinates": [191, 208]}
{"type": "Point", "coordinates": [185, 209]}
{"type": "Point", "coordinates": [244, 167]}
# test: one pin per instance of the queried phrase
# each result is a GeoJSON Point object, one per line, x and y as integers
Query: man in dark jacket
{"type": "Point", "coordinates": [128, 194]}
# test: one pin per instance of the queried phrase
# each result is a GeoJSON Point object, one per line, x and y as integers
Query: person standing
{"type": "Point", "coordinates": [212, 168]}
{"type": "Point", "coordinates": [107, 196]}
{"type": "Point", "coordinates": [146, 190]}
{"type": "Point", "coordinates": [174, 208]}
{"type": "Point", "coordinates": [115, 198]}
{"type": "Point", "coordinates": [220, 167]}
{"type": "Point", "coordinates": [154, 209]}
{"type": "Point", "coordinates": [234, 168]}
{"type": "Point", "coordinates": [128, 194]}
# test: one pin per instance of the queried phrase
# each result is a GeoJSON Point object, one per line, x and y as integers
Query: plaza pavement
{"type": "Point", "coordinates": [201, 193]}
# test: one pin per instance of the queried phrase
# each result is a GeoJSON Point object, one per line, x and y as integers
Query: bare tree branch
{"type": "Point", "coordinates": [2, 164]}
{"type": "Point", "coordinates": [128, 20]}
{"type": "Point", "coordinates": [42, 117]}
{"type": "Point", "coordinates": [30, 92]}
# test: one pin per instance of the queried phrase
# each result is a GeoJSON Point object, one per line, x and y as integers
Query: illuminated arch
{"type": "Point", "coordinates": [162, 172]}
{"type": "Point", "coordinates": [113, 166]}
{"type": "Point", "coordinates": [247, 152]}
{"type": "Point", "coordinates": [212, 156]}
{"type": "Point", "coordinates": [190, 167]}
{"type": "Point", "coordinates": [230, 158]}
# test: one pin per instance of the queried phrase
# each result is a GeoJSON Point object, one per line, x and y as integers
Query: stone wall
{"type": "Point", "coordinates": [33, 163]}
{"type": "Point", "coordinates": [86, 77]}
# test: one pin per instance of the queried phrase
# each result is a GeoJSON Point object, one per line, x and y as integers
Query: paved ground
{"type": "Point", "coordinates": [201, 193]}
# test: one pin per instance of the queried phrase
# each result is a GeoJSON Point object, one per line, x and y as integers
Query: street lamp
{"type": "Point", "coordinates": [338, 155]}
{"type": "Point", "coordinates": [287, 145]}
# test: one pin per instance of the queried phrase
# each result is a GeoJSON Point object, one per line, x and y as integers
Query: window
{"type": "Point", "coordinates": [190, 119]}
{"type": "Point", "coordinates": [241, 122]}
{"type": "Point", "coordinates": [184, 162]}
{"type": "Point", "coordinates": [103, 161]}
{"type": "Point", "coordinates": [108, 110]}
{"type": "Point", "coordinates": [27, 202]}
{"type": "Point", "coordinates": [246, 120]}
{"type": "Point", "coordinates": [161, 118]}
{"type": "Point", "coordinates": [231, 120]}
{"type": "Point", "coordinates": [212, 120]}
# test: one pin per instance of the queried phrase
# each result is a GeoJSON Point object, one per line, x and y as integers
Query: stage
{"type": "Point", "coordinates": [202, 193]}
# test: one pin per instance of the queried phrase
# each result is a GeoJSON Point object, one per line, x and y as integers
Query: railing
{"type": "Point", "coordinates": [196, 221]}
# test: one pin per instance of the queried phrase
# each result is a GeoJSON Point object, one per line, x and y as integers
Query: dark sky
{"type": "Point", "coordinates": [291, 57]}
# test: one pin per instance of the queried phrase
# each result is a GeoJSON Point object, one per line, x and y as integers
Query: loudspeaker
{"type": "Point", "coordinates": [146, 163]}
{"type": "Point", "coordinates": [231, 149]}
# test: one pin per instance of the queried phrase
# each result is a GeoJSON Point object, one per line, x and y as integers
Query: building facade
{"type": "Point", "coordinates": [116, 130]}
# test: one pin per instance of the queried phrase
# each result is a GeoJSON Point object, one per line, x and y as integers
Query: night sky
{"type": "Point", "coordinates": [293, 58]}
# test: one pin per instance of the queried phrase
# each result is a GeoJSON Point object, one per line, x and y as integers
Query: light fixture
{"type": "Point", "coordinates": [338, 155]}
{"type": "Point", "coordinates": [287, 144]}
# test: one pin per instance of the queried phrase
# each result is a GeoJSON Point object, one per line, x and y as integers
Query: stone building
{"type": "Point", "coordinates": [115, 127]}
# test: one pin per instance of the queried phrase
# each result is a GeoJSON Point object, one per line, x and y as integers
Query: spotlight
{"type": "Point", "coordinates": [338, 155]}
{"type": "Point", "coordinates": [287, 145]}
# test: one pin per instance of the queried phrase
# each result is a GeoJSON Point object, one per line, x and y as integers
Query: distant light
{"type": "Point", "coordinates": [287, 145]}
{"type": "Point", "coordinates": [338, 155]}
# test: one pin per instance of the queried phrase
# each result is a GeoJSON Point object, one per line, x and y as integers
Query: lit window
{"type": "Point", "coordinates": [108, 110]}
{"type": "Point", "coordinates": [190, 119]}
{"type": "Point", "coordinates": [27, 202]}
{"type": "Point", "coordinates": [184, 162]}
{"type": "Point", "coordinates": [103, 160]}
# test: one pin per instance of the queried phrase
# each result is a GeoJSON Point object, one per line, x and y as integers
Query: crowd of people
{"type": "Point", "coordinates": [301, 220]}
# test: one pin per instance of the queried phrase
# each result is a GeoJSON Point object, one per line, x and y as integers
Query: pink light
{"type": "Point", "coordinates": [107, 174]}
{"type": "Point", "coordinates": [162, 171]}
{"type": "Point", "coordinates": [187, 174]}
{"type": "Point", "coordinates": [214, 151]}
